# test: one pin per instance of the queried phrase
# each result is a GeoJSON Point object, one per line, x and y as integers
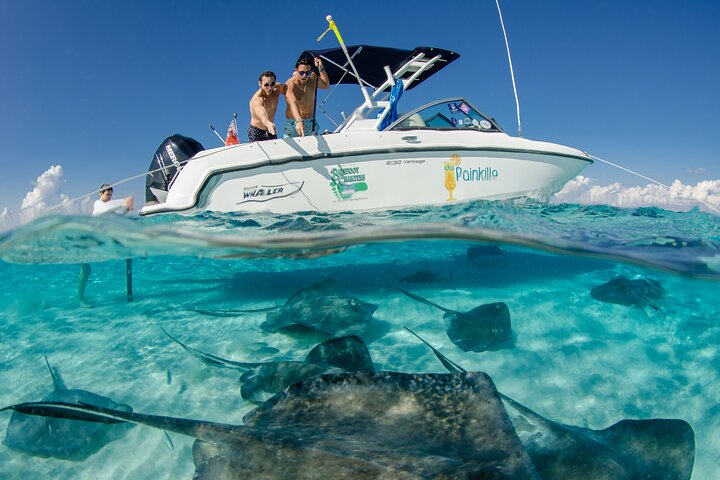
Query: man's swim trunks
{"type": "Point", "coordinates": [258, 134]}
{"type": "Point", "coordinates": [310, 127]}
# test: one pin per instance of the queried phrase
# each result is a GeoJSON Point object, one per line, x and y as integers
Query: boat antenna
{"type": "Point", "coordinates": [334, 28]}
{"type": "Point", "coordinates": [512, 73]}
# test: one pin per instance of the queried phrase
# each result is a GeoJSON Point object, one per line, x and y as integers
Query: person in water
{"type": "Point", "coordinates": [105, 204]}
{"type": "Point", "coordinates": [263, 105]}
{"type": "Point", "coordinates": [300, 97]}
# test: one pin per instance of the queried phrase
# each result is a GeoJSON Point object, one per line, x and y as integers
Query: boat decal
{"type": "Point", "coordinates": [407, 161]}
{"type": "Point", "coordinates": [346, 182]}
{"type": "Point", "coordinates": [450, 181]}
{"type": "Point", "coordinates": [478, 174]}
{"type": "Point", "coordinates": [264, 193]}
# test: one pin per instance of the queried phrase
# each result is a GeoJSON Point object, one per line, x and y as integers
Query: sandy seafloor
{"type": "Point", "coordinates": [574, 359]}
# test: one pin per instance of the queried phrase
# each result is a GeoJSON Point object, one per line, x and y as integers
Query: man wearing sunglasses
{"type": "Point", "coordinates": [262, 108]}
{"type": "Point", "coordinates": [300, 97]}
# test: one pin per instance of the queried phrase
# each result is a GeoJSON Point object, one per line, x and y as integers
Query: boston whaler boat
{"type": "Point", "coordinates": [445, 151]}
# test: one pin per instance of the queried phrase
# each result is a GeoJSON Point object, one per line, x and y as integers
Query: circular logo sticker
{"type": "Point", "coordinates": [485, 125]}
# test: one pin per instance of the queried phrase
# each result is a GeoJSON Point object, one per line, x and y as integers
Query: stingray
{"type": "Point", "coordinates": [636, 292]}
{"type": "Point", "coordinates": [59, 438]}
{"type": "Point", "coordinates": [261, 379]}
{"type": "Point", "coordinates": [320, 308]}
{"type": "Point", "coordinates": [423, 276]}
{"type": "Point", "coordinates": [476, 252]}
{"type": "Point", "coordinates": [482, 328]}
{"type": "Point", "coordinates": [357, 425]}
{"type": "Point", "coordinates": [660, 449]}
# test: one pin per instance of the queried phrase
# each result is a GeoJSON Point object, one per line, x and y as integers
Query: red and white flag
{"type": "Point", "coordinates": [232, 134]}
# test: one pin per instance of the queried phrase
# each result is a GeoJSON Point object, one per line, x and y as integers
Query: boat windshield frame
{"type": "Point", "coordinates": [461, 105]}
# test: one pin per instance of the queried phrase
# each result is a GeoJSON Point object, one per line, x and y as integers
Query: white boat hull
{"type": "Point", "coordinates": [359, 171]}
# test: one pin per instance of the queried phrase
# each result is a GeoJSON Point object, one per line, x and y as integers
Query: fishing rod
{"type": "Point", "coordinates": [234, 123]}
{"type": "Point", "coordinates": [216, 133]}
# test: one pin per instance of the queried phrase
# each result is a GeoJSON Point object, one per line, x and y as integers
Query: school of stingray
{"type": "Point", "coordinates": [330, 414]}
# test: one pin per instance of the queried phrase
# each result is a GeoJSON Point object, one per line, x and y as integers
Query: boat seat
{"type": "Point", "coordinates": [414, 120]}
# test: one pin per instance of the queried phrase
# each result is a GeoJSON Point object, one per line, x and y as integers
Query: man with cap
{"type": "Point", "coordinates": [105, 204]}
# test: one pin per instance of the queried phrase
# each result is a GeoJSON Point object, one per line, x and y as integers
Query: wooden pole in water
{"type": "Point", "coordinates": [128, 276]}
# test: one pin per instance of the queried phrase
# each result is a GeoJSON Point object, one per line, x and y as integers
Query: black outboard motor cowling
{"type": "Point", "coordinates": [170, 156]}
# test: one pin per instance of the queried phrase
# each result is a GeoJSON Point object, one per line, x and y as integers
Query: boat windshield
{"type": "Point", "coordinates": [453, 114]}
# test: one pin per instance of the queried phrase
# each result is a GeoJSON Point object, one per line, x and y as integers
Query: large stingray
{"type": "Point", "coordinates": [659, 449]}
{"type": "Point", "coordinates": [351, 425]}
{"type": "Point", "coordinates": [319, 307]}
{"type": "Point", "coordinates": [482, 328]}
{"type": "Point", "coordinates": [261, 379]}
{"type": "Point", "coordinates": [59, 438]}
{"type": "Point", "coordinates": [635, 292]}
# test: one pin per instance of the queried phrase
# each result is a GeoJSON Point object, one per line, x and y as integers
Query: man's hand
{"type": "Point", "coordinates": [271, 128]}
{"type": "Point", "coordinates": [318, 63]}
{"type": "Point", "coordinates": [300, 128]}
{"type": "Point", "coordinates": [129, 203]}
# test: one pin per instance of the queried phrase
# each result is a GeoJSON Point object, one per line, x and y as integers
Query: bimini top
{"type": "Point", "coordinates": [371, 61]}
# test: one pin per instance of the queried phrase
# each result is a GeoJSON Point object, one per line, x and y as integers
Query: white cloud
{"type": "Point", "coordinates": [678, 196]}
{"type": "Point", "coordinates": [7, 220]}
{"type": "Point", "coordinates": [47, 197]}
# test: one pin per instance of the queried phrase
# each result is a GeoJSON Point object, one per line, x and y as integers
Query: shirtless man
{"type": "Point", "coordinates": [300, 97]}
{"type": "Point", "coordinates": [262, 108]}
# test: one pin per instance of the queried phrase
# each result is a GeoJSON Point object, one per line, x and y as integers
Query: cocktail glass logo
{"type": "Point", "coordinates": [450, 182]}
{"type": "Point", "coordinates": [346, 181]}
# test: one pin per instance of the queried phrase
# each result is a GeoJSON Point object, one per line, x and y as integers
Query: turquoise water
{"type": "Point", "coordinates": [573, 359]}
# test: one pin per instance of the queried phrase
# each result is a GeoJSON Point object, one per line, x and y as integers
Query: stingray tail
{"type": "Point", "coordinates": [210, 359]}
{"type": "Point", "coordinates": [67, 411]}
{"type": "Point", "coordinates": [58, 383]}
{"type": "Point", "coordinates": [232, 313]}
{"type": "Point", "coordinates": [208, 431]}
{"type": "Point", "coordinates": [451, 366]}
{"type": "Point", "coordinates": [413, 296]}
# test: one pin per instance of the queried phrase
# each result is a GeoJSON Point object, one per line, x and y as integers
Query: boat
{"type": "Point", "coordinates": [376, 159]}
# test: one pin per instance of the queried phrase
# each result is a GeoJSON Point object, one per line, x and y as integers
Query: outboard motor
{"type": "Point", "coordinates": [172, 154]}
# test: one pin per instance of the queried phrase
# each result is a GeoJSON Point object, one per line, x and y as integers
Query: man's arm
{"type": "Point", "coordinates": [323, 80]}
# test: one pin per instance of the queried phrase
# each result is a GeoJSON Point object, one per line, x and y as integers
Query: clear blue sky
{"type": "Point", "coordinates": [95, 86]}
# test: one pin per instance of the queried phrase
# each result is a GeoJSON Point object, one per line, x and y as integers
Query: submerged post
{"type": "Point", "coordinates": [128, 277]}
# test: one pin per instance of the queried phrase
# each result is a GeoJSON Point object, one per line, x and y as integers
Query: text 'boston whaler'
{"type": "Point", "coordinates": [442, 152]}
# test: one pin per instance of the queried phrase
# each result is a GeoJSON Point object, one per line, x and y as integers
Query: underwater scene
{"type": "Point", "coordinates": [479, 340]}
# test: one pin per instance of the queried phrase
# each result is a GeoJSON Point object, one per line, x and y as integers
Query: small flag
{"type": "Point", "coordinates": [232, 134]}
